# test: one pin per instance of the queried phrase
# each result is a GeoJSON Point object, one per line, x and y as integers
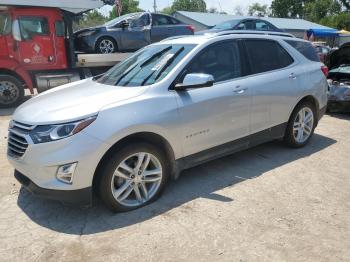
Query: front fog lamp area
{"type": "Point", "coordinates": [65, 173]}
{"type": "Point", "coordinates": [48, 133]}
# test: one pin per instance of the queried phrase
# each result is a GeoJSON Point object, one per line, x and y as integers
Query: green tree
{"type": "Point", "coordinates": [339, 21]}
{"type": "Point", "coordinates": [238, 10]}
{"type": "Point", "coordinates": [167, 10]}
{"type": "Point", "coordinates": [129, 6]}
{"type": "Point", "coordinates": [288, 8]}
{"type": "Point", "coordinates": [346, 4]}
{"type": "Point", "coordinates": [90, 19]}
{"type": "Point", "coordinates": [189, 5]}
{"type": "Point", "coordinates": [317, 10]}
{"type": "Point", "coordinates": [257, 9]}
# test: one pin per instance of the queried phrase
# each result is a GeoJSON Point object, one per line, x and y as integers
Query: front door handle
{"type": "Point", "coordinates": [292, 76]}
{"type": "Point", "coordinates": [239, 90]}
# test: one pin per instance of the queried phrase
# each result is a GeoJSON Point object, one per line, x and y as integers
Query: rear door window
{"type": "Point", "coordinates": [31, 26]}
{"type": "Point", "coordinates": [266, 55]}
{"type": "Point", "coordinates": [306, 49]}
{"type": "Point", "coordinates": [221, 60]}
{"type": "Point", "coordinates": [159, 20]}
{"type": "Point", "coordinates": [262, 26]}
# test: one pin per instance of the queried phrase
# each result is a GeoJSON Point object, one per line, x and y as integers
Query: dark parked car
{"type": "Point", "coordinates": [243, 24]}
{"type": "Point", "coordinates": [129, 33]}
{"type": "Point", "coordinates": [338, 62]}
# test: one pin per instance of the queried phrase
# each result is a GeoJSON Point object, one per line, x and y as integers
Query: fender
{"type": "Point", "coordinates": [13, 67]}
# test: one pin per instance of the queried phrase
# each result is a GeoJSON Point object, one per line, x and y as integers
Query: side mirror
{"type": "Point", "coordinates": [16, 32]}
{"type": "Point", "coordinates": [124, 24]}
{"type": "Point", "coordinates": [195, 81]}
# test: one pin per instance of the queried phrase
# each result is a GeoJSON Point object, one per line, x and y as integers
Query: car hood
{"type": "Point", "coordinates": [71, 102]}
{"type": "Point", "coordinates": [339, 57]}
{"type": "Point", "coordinates": [96, 28]}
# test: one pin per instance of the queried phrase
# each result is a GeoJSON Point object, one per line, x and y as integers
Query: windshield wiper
{"type": "Point", "coordinates": [160, 53]}
{"type": "Point", "coordinates": [169, 62]}
{"type": "Point", "coordinates": [125, 74]}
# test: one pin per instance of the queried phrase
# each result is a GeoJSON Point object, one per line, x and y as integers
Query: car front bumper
{"type": "Point", "coordinates": [85, 43]}
{"type": "Point", "coordinates": [37, 169]}
{"type": "Point", "coordinates": [78, 197]}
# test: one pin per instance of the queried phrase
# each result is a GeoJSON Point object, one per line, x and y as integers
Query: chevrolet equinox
{"type": "Point", "coordinates": [170, 106]}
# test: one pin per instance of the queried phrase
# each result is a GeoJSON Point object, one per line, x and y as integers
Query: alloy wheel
{"type": "Point", "coordinates": [136, 179]}
{"type": "Point", "coordinates": [9, 92]}
{"type": "Point", "coordinates": [303, 125]}
{"type": "Point", "coordinates": [106, 46]}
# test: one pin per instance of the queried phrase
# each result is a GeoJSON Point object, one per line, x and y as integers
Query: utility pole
{"type": "Point", "coordinates": [155, 6]}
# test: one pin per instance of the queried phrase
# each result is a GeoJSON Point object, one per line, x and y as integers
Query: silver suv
{"type": "Point", "coordinates": [170, 106]}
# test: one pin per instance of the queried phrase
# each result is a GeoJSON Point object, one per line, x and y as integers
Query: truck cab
{"type": "Point", "coordinates": [32, 44]}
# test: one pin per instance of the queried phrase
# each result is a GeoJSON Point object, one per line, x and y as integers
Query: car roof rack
{"type": "Point", "coordinates": [250, 32]}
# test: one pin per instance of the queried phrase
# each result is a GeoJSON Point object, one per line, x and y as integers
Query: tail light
{"type": "Point", "coordinates": [325, 70]}
{"type": "Point", "coordinates": [191, 28]}
{"type": "Point", "coordinates": [347, 93]}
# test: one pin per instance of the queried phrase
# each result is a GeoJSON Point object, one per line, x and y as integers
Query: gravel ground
{"type": "Point", "coordinates": [269, 203]}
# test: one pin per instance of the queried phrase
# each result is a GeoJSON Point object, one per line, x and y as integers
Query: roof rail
{"type": "Point", "coordinates": [250, 32]}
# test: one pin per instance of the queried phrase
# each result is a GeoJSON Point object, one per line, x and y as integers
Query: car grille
{"type": "Point", "coordinates": [17, 139]}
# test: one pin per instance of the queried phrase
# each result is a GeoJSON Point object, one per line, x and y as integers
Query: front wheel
{"type": "Point", "coordinates": [133, 177]}
{"type": "Point", "coordinates": [301, 125]}
{"type": "Point", "coordinates": [11, 91]}
{"type": "Point", "coordinates": [106, 46]}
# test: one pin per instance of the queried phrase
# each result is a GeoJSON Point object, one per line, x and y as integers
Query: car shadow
{"type": "Point", "coordinates": [344, 116]}
{"type": "Point", "coordinates": [200, 182]}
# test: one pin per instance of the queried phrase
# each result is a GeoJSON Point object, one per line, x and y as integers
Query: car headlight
{"type": "Point", "coordinates": [86, 33]}
{"type": "Point", "coordinates": [48, 133]}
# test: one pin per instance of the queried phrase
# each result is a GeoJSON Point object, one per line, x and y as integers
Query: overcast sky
{"type": "Point", "coordinates": [227, 6]}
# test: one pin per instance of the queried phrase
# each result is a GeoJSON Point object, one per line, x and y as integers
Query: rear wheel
{"type": "Point", "coordinates": [301, 125]}
{"type": "Point", "coordinates": [133, 177]}
{"type": "Point", "coordinates": [11, 91]}
{"type": "Point", "coordinates": [106, 45]}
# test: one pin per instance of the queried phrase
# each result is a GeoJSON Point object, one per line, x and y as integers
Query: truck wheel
{"type": "Point", "coordinates": [133, 177]}
{"type": "Point", "coordinates": [301, 125]}
{"type": "Point", "coordinates": [106, 45]}
{"type": "Point", "coordinates": [11, 91]}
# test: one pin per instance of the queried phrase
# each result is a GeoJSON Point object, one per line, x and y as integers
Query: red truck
{"type": "Point", "coordinates": [37, 48]}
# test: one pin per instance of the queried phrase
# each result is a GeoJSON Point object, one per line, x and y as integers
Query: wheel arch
{"type": "Point", "coordinates": [21, 75]}
{"type": "Point", "coordinates": [148, 137]}
{"type": "Point", "coordinates": [313, 100]}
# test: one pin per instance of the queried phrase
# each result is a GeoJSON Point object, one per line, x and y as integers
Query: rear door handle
{"type": "Point", "coordinates": [239, 90]}
{"type": "Point", "coordinates": [292, 76]}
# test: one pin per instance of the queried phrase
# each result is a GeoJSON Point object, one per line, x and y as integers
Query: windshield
{"type": "Point", "coordinates": [227, 25]}
{"type": "Point", "coordinates": [5, 24]}
{"type": "Point", "coordinates": [121, 18]}
{"type": "Point", "coordinates": [147, 66]}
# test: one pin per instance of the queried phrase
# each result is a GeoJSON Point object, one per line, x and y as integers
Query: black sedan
{"type": "Point", "coordinates": [129, 33]}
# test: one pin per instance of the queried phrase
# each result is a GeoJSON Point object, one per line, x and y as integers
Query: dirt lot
{"type": "Point", "coordinates": [269, 203]}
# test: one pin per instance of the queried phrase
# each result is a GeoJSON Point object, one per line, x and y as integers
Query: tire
{"type": "Point", "coordinates": [106, 45]}
{"type": "Point", "coordinates": [125, 183]}
{"type": "Point", "coordinates": [11, 91]}
{"type": "Point", "coordinates": [298, 135]}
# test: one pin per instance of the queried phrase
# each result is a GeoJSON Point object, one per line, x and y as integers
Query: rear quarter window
{"type": "Point", "coordinates": [266, 55]}
{"type": "Point", "coordinates": [306, 49]}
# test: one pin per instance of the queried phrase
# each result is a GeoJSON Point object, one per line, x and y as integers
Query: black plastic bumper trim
{"type": "Point", "coordinates": [77, 197]}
